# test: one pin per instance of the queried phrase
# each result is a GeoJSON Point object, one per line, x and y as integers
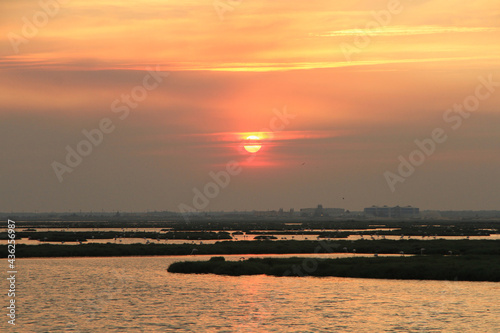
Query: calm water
{"type": "Point", "coordinates": [138, 295]}
{"type": "Point", "coordinates": [241, 238]}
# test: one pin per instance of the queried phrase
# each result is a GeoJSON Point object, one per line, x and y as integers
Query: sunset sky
{"type": "Point", "coordinates": [350, 84]}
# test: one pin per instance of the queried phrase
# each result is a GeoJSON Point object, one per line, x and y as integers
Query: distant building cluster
{"type": "Point", "coordinates": [274, 213]}
{"type": "Point", "coordinates": [385, 211]}
{"type": "Point", "coordinates": [321, 212]}
{"type": "Point", "coordinates": [304, 212]}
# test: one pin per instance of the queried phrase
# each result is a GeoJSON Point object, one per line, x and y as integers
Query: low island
{"type": "Point", "coordinates": [421, 267]}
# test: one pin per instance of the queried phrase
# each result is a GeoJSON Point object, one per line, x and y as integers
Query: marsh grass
{"type": "Point", "coordinates": [460, 268]}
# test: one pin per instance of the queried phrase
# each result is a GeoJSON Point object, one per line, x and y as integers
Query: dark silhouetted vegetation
{"type": "Point", "coordinates": [265, 237]}
{"type": "Point", "coordinates": [461, 268]}
{"type": "Point", "coordinates": [440, 247]}
{"type": "Point", "coordinates": [75, 236]}
{"type": "Point", "coordinates": [302, 226]}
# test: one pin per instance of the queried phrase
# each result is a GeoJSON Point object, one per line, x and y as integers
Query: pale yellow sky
{"type": "Point", "coordinates": [258, 34]}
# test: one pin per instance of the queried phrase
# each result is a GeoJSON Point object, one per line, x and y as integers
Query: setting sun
{"type": "Point", "coordinates": [253, 144]}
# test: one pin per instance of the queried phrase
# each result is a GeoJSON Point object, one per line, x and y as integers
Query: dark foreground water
{"type": "Point", "coordinates": [137, 294]}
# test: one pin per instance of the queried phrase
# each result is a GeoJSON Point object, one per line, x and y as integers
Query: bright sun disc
{"type": "Point", "coordinates": [253, 144]}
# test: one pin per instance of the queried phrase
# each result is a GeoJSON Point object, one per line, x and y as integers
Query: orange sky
{"type": "Point", "coordinates": [257, 34]}
{"type": "Point", "coordinates": [360, 92]}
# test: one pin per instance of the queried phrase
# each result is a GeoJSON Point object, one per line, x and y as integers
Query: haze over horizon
{"type": "Point", "coordinates": [337, 94]}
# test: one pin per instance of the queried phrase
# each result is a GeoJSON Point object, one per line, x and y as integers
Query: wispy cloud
{"type": "Point", "coordinates": [405, 31]}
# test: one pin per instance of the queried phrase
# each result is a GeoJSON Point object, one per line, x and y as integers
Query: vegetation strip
{"type": "Point", "coordinates": [439, 247]}
{"type": "Point", "coordinates": [459, 268]}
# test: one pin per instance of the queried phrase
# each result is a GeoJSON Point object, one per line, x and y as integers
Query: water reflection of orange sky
{"type": "Point", "coordinates": [259, 304]}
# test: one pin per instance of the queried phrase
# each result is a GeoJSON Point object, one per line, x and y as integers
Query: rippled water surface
{"type": "Point", "coordinates": [138, 295]}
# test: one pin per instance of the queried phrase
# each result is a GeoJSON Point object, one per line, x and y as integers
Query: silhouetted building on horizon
{"type": "Point", "coordinates": [321, 212]}
{"type": "Point", "coordinates": [274, 213]}
{"type": "Point", "coordinates": [386, 211]}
